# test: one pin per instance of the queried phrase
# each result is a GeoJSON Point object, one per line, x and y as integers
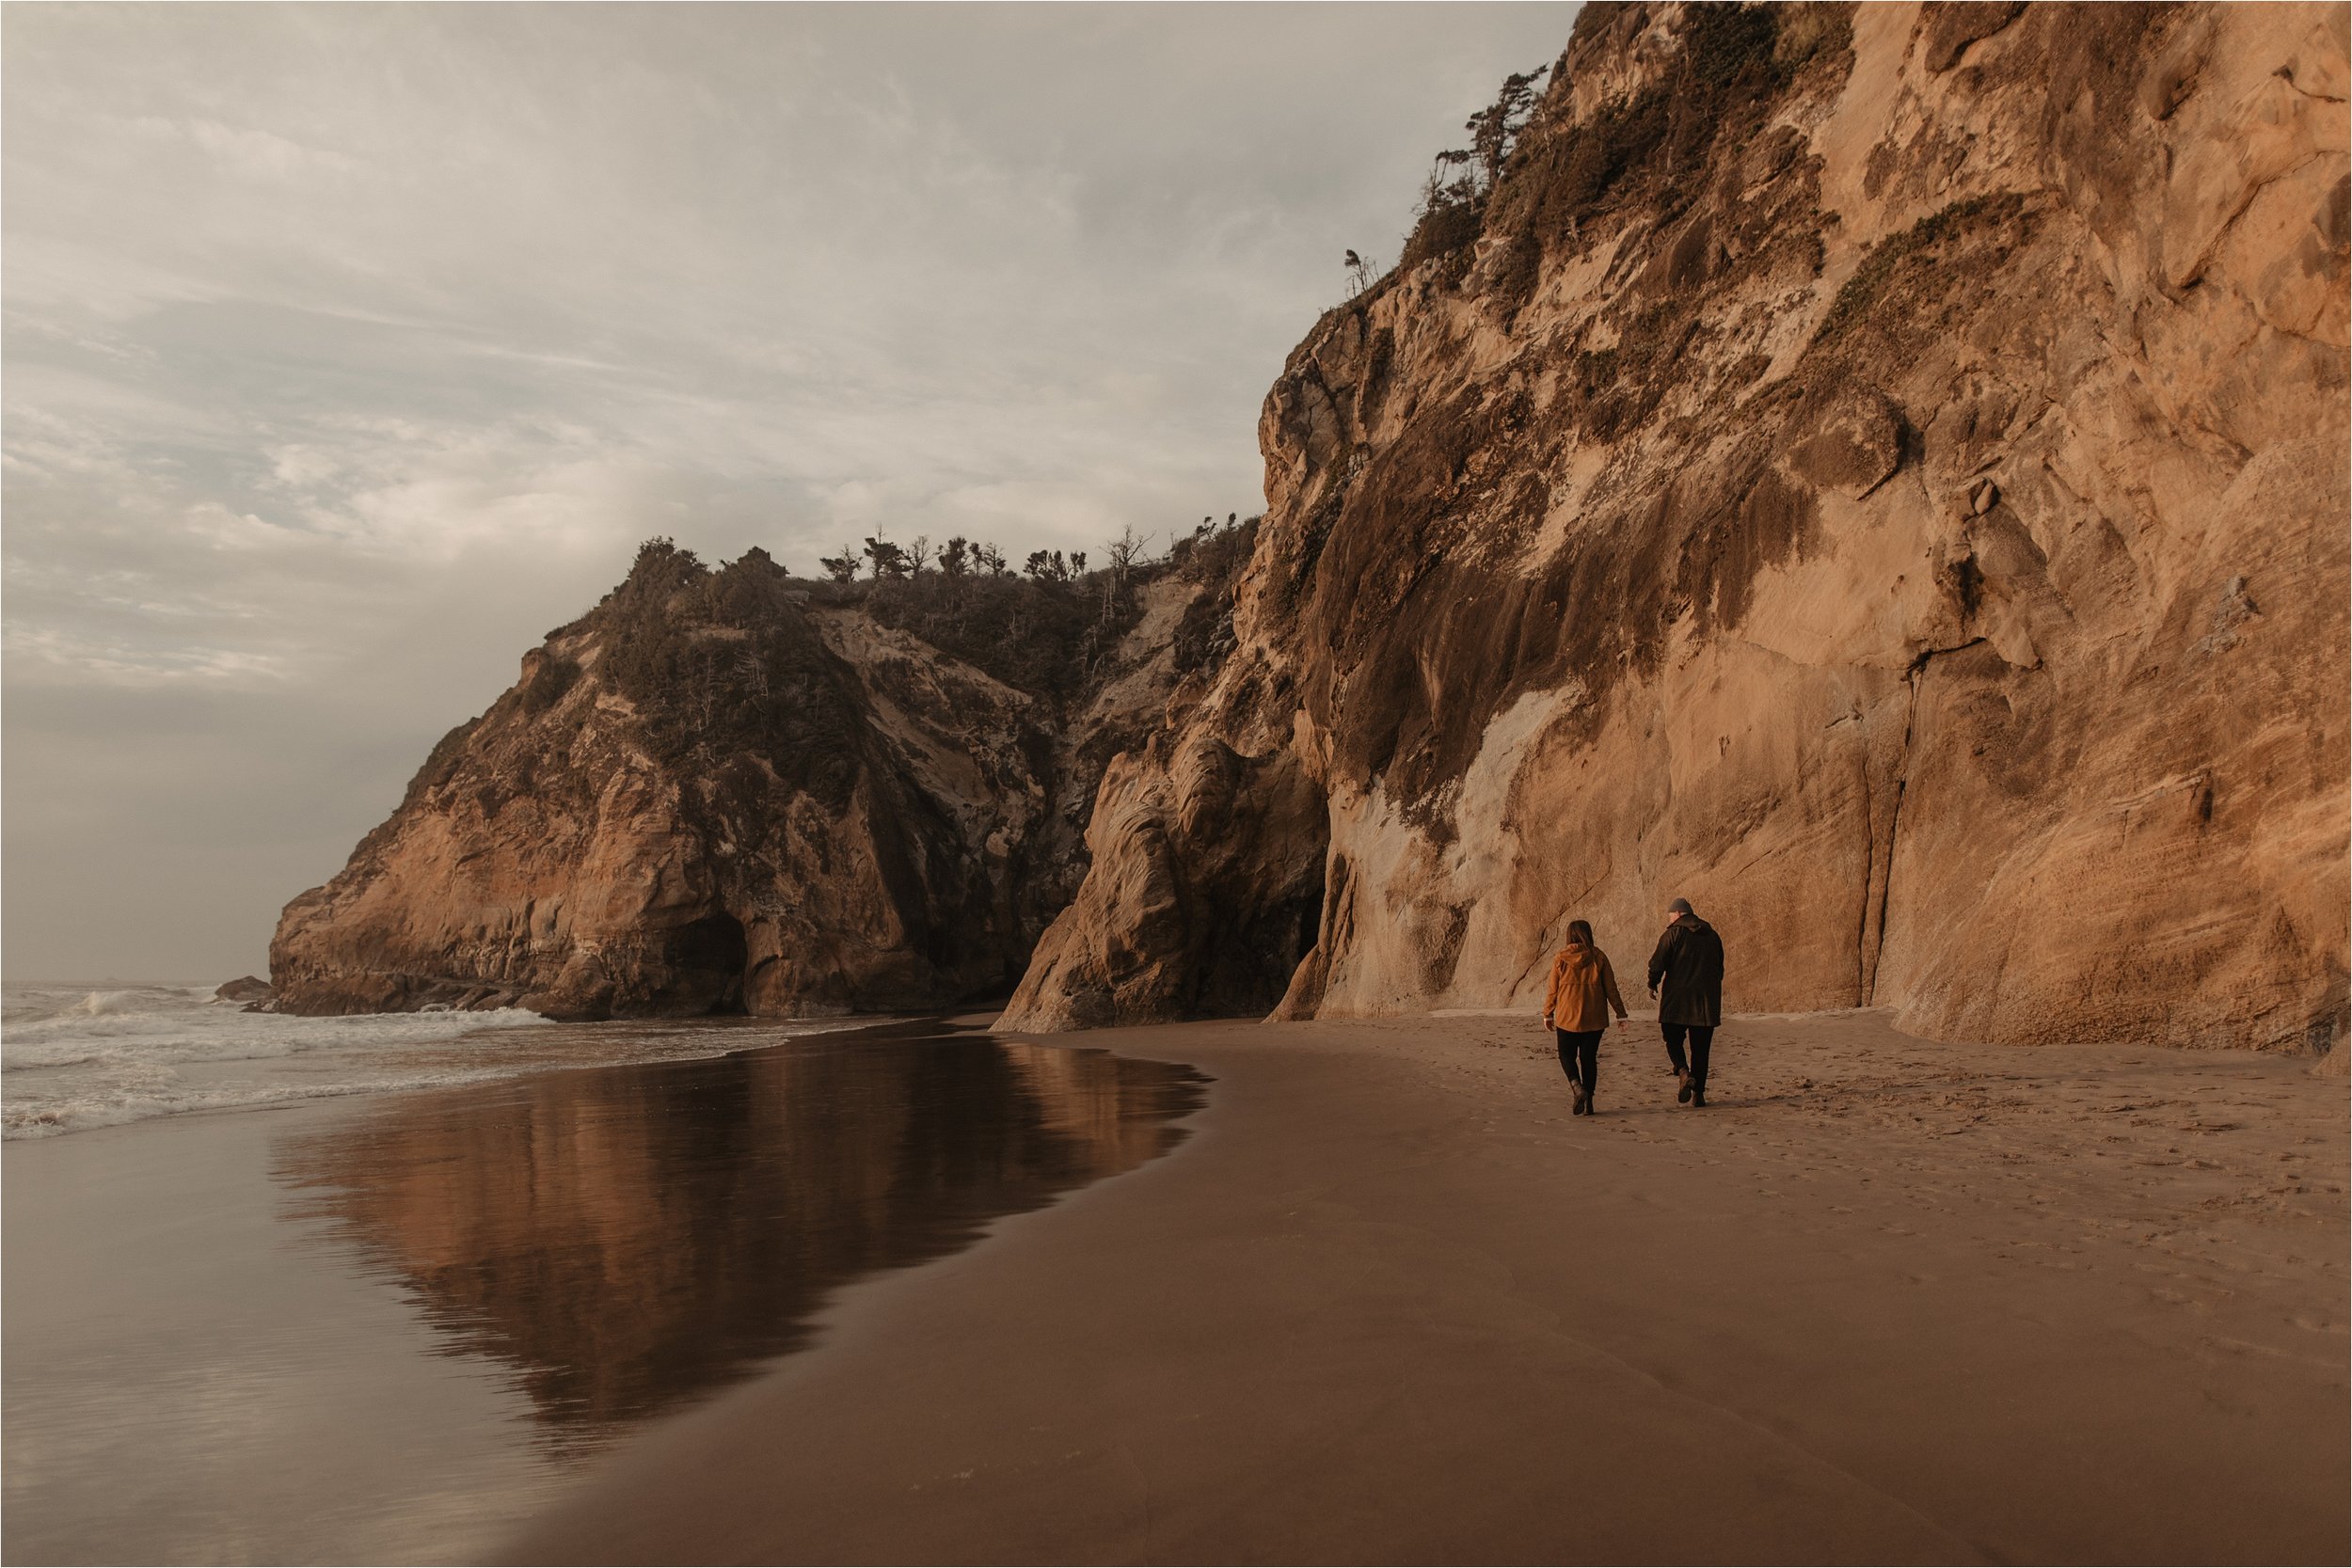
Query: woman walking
{"type": "Point", "coordinates": [1576, 1008]}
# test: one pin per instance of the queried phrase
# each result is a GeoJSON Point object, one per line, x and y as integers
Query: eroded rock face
{"type": "Point", "coordinates": [719, 792]}
{"type": "Point", "coordinates": [1880, 474]}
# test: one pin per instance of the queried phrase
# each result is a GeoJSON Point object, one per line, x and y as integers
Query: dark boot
{"type": "Point", "coordinates": [1683, 1091]}
{"type": "Point", "coordinates": [1698, 1097]}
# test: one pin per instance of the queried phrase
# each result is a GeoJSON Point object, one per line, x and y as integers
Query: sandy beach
{"type": "Point", "coordinates": [671, 910]}
{"type": "Point", "coordinates": [1883, 1300]}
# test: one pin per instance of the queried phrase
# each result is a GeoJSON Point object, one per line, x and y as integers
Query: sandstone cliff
{"type": "Point", "coordinates": [732, 791]}
{"type": "Point", "coordinates": [1879, 473]}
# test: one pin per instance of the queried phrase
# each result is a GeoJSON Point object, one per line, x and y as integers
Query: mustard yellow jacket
{"type": "Point", "coordinates": [1583, 989]}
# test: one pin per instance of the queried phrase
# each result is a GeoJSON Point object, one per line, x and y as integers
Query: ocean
{"type": "Point", "coordinates": [76, 1056]}
{"type": "Point", "coordinates": [407, 1275]}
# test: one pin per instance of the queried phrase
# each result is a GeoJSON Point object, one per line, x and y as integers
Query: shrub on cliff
{"type": "Point", "coordinates": [1734, 60]}
{"type": "Point", "coordinates": [1897, 266]}
{"type": "Point", "coordinates": [1454, 199]}
{"type": "Point", "coordinates": [720, 665]}
{"type": "Point", "coordinates": [725, 665]}
{"type": "Point", "coordinates": [1213, 557]}
{"type": "Point", "coordinates": [1045, 633]}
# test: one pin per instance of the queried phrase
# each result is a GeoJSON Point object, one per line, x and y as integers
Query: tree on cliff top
{"type": "Point", "coordinates": [1453, 197]}
{"type": "Point", "coordinates": [1495, 129]}
{"type": "Point", "coordinates": [661, 569]}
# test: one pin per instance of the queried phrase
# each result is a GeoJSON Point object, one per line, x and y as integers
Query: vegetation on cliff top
{"type": "Point", "coordinates": [722, 665]}
{"type": "Point", "coordinates": [1534, 175]}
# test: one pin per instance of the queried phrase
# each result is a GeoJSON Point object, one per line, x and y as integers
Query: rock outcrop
{"type": "Point", "coordinates": [732, 791]}
{"type": "Point", "coordinates": [1878, 473]}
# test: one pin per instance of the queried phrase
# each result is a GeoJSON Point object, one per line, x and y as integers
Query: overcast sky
{"type": "Point", "coordinates": [349, 348]}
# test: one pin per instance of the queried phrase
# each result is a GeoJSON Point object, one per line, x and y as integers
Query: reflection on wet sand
{"type": "Point", "coordinates": [628, 1237]}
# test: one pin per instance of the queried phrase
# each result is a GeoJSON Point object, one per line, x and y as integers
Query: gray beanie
{"type": "Point", "coordinates": [1679, 906]}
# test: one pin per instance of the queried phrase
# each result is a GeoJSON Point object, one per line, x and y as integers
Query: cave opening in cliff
{"type": "Point", "coordinates": [1309, 927]}
{"type": "Point", "coordinates": [708, 959]}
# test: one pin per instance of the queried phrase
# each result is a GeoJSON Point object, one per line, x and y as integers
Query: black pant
{"type": "Point", "coordinates": [1702, 1035]}
{"type": "Point", "coordinates": [1579, 1055]}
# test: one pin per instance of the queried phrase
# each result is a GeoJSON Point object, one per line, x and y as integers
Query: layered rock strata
{"type": "Point", "coordinates": [1879, 473]}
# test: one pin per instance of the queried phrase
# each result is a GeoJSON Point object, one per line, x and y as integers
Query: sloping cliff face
{"type": "Point", "coordinates": [731, 791]}
{"type": "Point", "coordinates": [1878, 473]}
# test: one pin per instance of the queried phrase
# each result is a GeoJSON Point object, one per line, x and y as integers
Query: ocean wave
{"type": "Point", "coordinates": [128, 1027]}
{"type": "Point", "coordinates": [114, 1105]}
{"type": "Point", "coordinates": [76, 1057]}
{"type": "Point", "coordinates": [22, 1004]}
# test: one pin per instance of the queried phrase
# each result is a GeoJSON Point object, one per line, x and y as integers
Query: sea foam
{"type": "Point", "coordinates": [76, 1056]}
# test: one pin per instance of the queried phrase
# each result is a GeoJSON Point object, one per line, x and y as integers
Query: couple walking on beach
{"type": "Point", "coordinates": [1686, 975]}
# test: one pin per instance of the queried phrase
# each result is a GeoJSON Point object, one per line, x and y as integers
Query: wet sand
{"type": "Point", "coordinates": [1883, 1300]}
{"type": "Point", "coordinates": [192, 1377]}
{"type": "Point", "coordinates": [385, 1329]}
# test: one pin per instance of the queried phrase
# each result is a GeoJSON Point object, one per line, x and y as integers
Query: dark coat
{"type": "Point", "coordinates": [1689, 963]}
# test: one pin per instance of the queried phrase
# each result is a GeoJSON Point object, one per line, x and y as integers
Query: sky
{"type": "Point", "coordinates": [349, 348]}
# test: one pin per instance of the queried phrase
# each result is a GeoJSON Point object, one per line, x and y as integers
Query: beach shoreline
{"type": "Point", "coordinates": [1884, 1299]}
{"type": "Point", "coordinates": [505, 1276]}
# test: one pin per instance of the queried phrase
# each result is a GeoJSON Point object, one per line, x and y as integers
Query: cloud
{"type": "Point", "coordinates": [242, 151]}
{"type": "Point", "coordinates": [350, 348]}
{"type": "Point", "coordinates": [92, 661]}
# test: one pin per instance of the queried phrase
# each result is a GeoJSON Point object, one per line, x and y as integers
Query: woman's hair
{"type": "Point", "coordinates": [1581, 930]}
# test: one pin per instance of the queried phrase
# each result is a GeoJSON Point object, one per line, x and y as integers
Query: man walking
{"type": "Point", "coordinates": [1688, 963]}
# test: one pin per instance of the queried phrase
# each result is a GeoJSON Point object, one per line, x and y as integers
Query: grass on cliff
{"type": "Point", "coordinates": [1898, 265]}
